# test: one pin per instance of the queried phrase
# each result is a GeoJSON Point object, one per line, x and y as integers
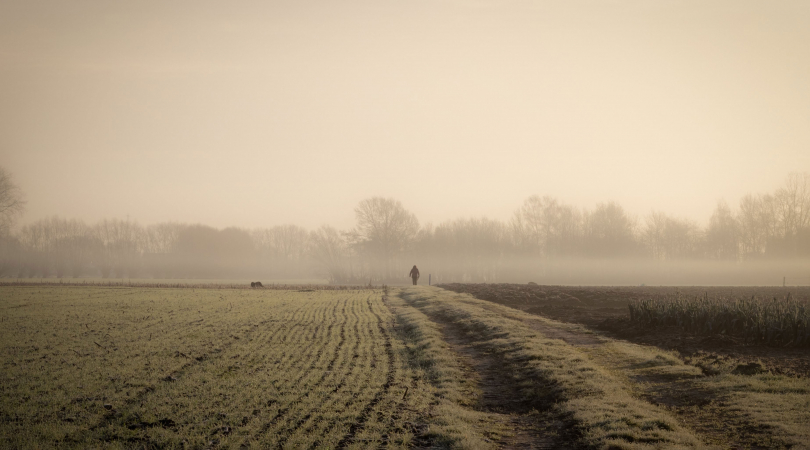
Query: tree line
{"type": "Point", "coordinates": [387, 240]}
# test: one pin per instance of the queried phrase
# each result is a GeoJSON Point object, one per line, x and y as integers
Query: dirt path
{"type": "Point", "coordinates": [527, 427]}
{"type": "Point", "coordinates": [605, 309]}
{"type": "Point", "coordinates": [575, 338]}
{"type": "Point", "coordinates": [703, 411]}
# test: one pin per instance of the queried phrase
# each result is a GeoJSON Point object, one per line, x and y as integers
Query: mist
{"type": "Point", "coordinates": [199, 139]}
{"type": "Point", "coordinates": [764, 241]}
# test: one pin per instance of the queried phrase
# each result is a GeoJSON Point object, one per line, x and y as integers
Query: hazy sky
{"type": "Point", "coordinates": [269, 112]}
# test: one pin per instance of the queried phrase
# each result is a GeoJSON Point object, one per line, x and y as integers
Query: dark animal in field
{"type": "Point", "coordinates": [256, 284]}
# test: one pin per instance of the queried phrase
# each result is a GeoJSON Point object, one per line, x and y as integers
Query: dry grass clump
{"type": "Point", "coordinates": [559, 377]}
{"type": "Point", "coordinates": [779, 322]}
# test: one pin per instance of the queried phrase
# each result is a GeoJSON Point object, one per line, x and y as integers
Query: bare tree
{"type": "Point", "coordinates": [668, 238]}
{"type": "Point", "coordinates": [681, 238]}
{"type": "Point", "coordinates": [121, 245]}
{"type": "Point", "coordinates": [757, 224]}
{"type": "Point", "coordinates": [654, 234]}
{"type": "Point", "coordinates": [471, 249]}
{"type": "Point", "coordinates": [11, 255]}
{"type": "Point", "coordinates": [160, 248]}
{"type": "Point", "coordinates": [329, 251]}
{"type": "Point", "coordinates": [384, 230]}
{"type": "Point", "coordinates": [722, 235]}
{"type": "Point", "coordinates": [532, 223]}
{"type": "Point", "coordinates": [792, 208]}
{"type": "Point", "coordinates": [544, 225]}
{"type": "Point", "coordinates": [11, 202]}
{"type": "Point", "coordinates": [161, 238]}
{"type": "Point", "coordinates": [609, 231]}
{"type": "Point", "coordinates": [282, 243]}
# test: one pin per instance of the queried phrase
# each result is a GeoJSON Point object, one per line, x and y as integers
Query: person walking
{"type": "Point", "coordinates": [414, 274]}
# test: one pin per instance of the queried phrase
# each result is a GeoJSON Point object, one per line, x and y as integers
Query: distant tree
{"type": "Point", "coordinates": [283, 249]}
{"type": "Point", "coordinates": [11, 255]}
{"type": "Point", "coordinates": [161, 238]}
{"type": "Point", "coordinates": [11, 202]}
{"type": "Point", "coordinates": [532, 224]}
{"type": "Point", "coordinates": [545, 226]}
{"type": "Point", "coordinates": [757, 224]}
{"type": "Point", "coordinates": [722, 235]}
{"type": "Point", "coordinates": [204, 251]}
{"type": "Point", "coordinates": [69, 245]}
{"type": "Point", "coordinates": [792, 209]}
{"type": "Point", "coordinates": [283, 243]}
{"type": "Point", "coordinates": [35, 243]}
{"type": "Point", "coordinates": [160, 248]}
{"type": "Point", "coordinates": [682, 239]}
{"type": "Point", "coordinates": [609, 231]}
{"type": "Point", "coordinates": [331, 254]}
{"type": "Point", "coordinates": [471, 249]}
{"type": "Point", "coordinates": [121, 244]}
{"type": "Point", "coordinates": [654, 234]}
{"type": "Point", "coordinates": [384, 230]}
{"type": "Point", "coordinates": [674, 238]}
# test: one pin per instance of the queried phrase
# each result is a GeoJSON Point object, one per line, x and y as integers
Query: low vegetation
{"type": "Point", "coordinates": [558, 376]}
{"type": "Point", "coordinates": [783, 322]}
{"type": "Point", "coordinates": [200, 368]}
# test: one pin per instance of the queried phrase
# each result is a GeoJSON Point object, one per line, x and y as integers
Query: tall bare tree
{"type": "Point", "coordinates": [282, 243]}
{"type": "Point", "coordinates": [792, 207]}
{"type": "Point", "coordinates": [471, 249]}
{"type": "Point", "coordinates": [384, 230]}
{"type": "Point", "coordinates": [722, 235]}
{"type": "Point", "coordinates": [121, 245]}
{"type": "Point", "coordinates": [545, 226]}
{"type": "Point", "coordinates": [654, 234]}
{"type": "Point", "coordinates": [330, 253]}
{"type": "Point", "coordinates": [609, 231]}
{"type": "Point", "coordinates": [12, 203]}
{"type": "Point", "coordinates": [757, 224]}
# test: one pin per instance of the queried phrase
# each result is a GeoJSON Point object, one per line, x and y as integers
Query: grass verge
{"type": "Point", "coordinates": [453, 421]}
{"type": "Point", "coordinates": [599, 405]}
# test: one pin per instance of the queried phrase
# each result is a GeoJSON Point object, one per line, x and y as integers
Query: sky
{"type": "Point", "coordinates": [256, 114]}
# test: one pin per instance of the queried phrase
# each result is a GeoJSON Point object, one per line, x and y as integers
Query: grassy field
{"type": "Point", "coordinates": [158, 282]}
{"type": "Point", "coordinates": [142, 367]}
{"type": "Point", "coordinates": [198, 368]}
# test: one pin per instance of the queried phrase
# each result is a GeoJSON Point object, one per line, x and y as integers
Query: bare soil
{"type": "Point", "coordinates": [527, 425]}
{"type": "Point", "coordinates": [605, 309]}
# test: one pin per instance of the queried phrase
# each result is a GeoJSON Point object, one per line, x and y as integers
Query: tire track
{"type": "Point", "coordinates": [402, 403]}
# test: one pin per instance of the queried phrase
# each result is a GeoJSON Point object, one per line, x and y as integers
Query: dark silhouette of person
{"type": "Point", "coordinates": [414, 274]}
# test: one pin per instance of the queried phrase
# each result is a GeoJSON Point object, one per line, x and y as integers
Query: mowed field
{"type": "Point", "coordinates": [416, 367]}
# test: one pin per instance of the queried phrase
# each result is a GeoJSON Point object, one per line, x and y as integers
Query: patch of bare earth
{"type": "Point", "coordinates": [522, 424]}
